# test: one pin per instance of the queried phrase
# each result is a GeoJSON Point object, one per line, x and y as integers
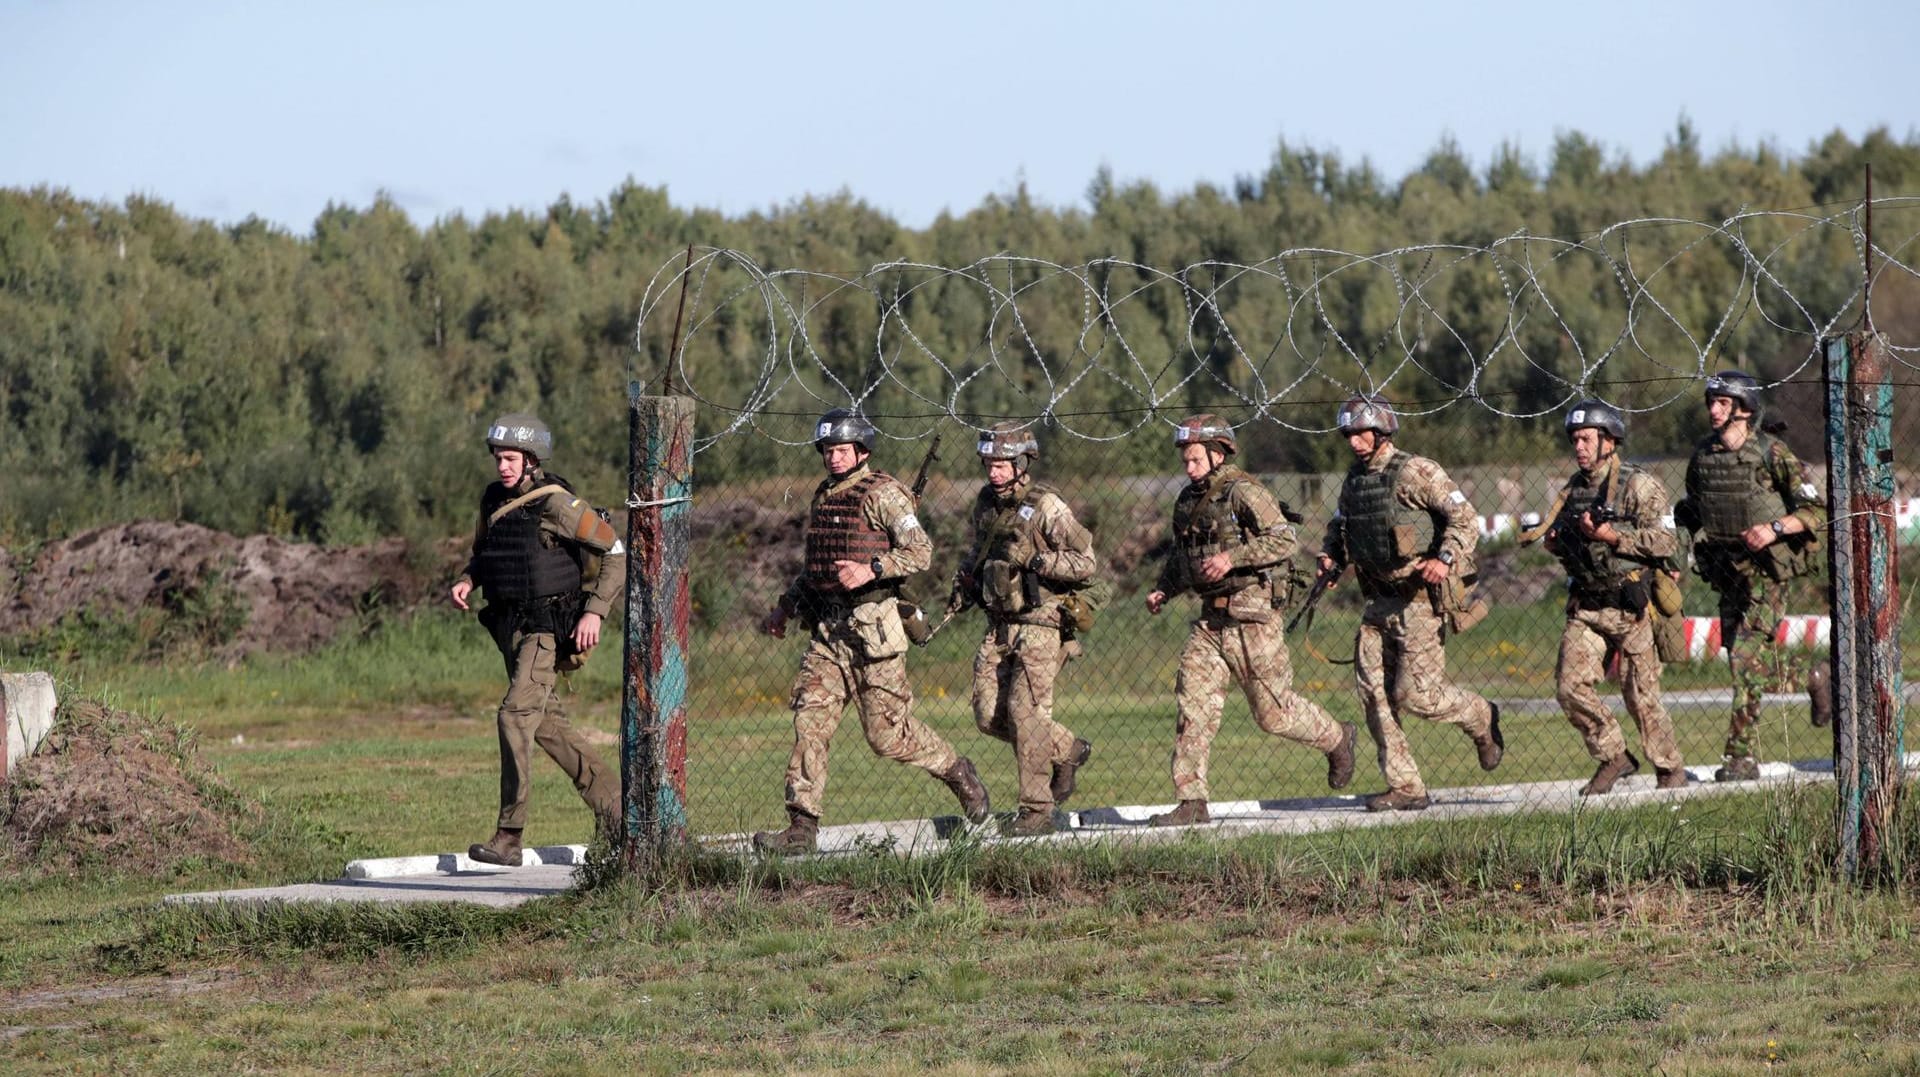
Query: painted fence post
{"type": "Point", "coordinates": [653, 711]}
{"type": "Point", "coordinates": [1864, 587]}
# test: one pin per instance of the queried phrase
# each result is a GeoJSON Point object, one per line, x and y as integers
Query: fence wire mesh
{"type": "Point", "coordinates": [1482, 347]}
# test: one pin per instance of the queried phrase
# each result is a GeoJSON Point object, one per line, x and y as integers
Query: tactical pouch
{"type": "Point", "coordinates": [913, 621]}
{"type": "Point", "coordinates": [1670, 636]}
{"type": "Point", "coordinates": [1460, 607]}
{"type": "Point", "coordinates": [1635, 594]}
{"type": "Point", "coordinates": [1288, 582]}
{"type": "Point", "coordinates": [1000, 588]}
{"type": "Point", "coordinates": [1667, 597]}
{"type": "Point", "coordinates": [877, 627]}
{"type": "Point", "coordinates": [1076, 615]}
{"type": "Point", "coordinates": [1406, 538]}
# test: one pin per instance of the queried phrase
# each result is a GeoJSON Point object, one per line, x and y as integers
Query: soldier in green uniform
{"type": "Point", "coordinates": [1233, 547]}
{"type": "Point", "coordinates": [1756, 517]}
{"type": "Point", "coordinates": [1408, 531]}
{"type": "Point", "coordinates": [533, 539]}
{"type": "Point", "coordinates": [1612, 533]}
{"type": "Point", "coordinates": [1028, 553]}
{"type": "Point", "coordinates": [862, 540]}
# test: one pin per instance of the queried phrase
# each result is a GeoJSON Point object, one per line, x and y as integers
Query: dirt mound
{"type": "Point", "coordinates": [239, 595]}
{"type": "Point", "coordinates": [115, 791]}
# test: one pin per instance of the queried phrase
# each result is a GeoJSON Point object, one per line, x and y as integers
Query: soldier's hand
{"type": "Point", "coordinates": [1434, 570]}
{"type": "Point", "coordinates": [1156, 601]}
{"type": "Point", "coordinates": [1215, 567]}
{"type": "Point", "coordinates": [776, 623]}
{"type": "Point", "coordinates": [1759, 536]}
{"type": "Point", "coordinates": [1330, 570]}
{"type": "Point", "coordinates": [1606, 533]}
{"type": "Point", "coordinates": [852, 574]}
{"type": "Point", "coordinates": [460, 592]}
{"type": "Point", "coordinates": [586, 634]}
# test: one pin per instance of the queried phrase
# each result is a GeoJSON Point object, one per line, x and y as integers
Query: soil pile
{"type": "Point", "coordinates": [114, 791]}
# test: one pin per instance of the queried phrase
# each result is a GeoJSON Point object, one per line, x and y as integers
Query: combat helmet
{"type": "Point", "coordinates": [1368, 412]}
{"type": "Point", "coordinates": [842, 426]}
{"type": "Point", "coordinates": [1738, 386]}
{"type": "Point", "coordinates": [1598, 415]}
{"type": "Point", "coordinates": [1205, 428]}
{"type": "Point", "coordinates": [1009, 441]}
{"type": "Point", "coordinates": [522, 431]}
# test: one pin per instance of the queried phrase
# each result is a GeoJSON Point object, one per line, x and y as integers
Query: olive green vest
{"type": "Point", "coordinates": [1732, 491]}
{"type": "Point", "coordinates": [1204, 525]}
{"type": "Point", "coordinates": [1382, 535]}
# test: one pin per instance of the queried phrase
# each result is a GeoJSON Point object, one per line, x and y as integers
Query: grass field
{"type": "Point", "coordinates": [1705, 939]}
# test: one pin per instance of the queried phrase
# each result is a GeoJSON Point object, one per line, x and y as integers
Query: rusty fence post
{"type": "Point", "coordinates": [653, 710]}
{"type": "Point", "coordinates": [1864, 587]}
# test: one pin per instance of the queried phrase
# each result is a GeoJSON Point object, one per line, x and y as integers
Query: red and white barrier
{"type": "Point", "coordinates": [1795, 630]}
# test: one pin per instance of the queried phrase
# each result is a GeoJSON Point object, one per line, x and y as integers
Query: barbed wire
{"type": "Point", "coordinates": [1521, 326]}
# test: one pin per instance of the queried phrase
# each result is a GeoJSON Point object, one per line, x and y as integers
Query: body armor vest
{"type": "Point", "coordinates": [837, 530]}
{"type": "Point", "coordinates": [1589, 562]}
{"type": "Point", "coordinates": [1382, 535]}
{"type": "Point", "coordinates": [1204, 525]}
{"type": "Point", "coordinates": [1007, 587]}
{"type": "Point", "coordinates": [514, 562]}
{"type": "Point", "coordinates": [1732, 491]}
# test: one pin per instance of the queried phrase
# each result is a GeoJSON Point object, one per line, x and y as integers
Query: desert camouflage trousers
{"type": "Point", "coordinates": [1221, 649]}
{"type": "Point", "coordinates": [1750, 611]}
{"type": "Point", "coordinates": [1013, 675]}
{"type": "Point", "coordinates": [532, 714]}
{"type": "Point", "coordinates": [1583, 656]}
{"type": "Point", "coordinates": [834, 673]}
{"type": "Point", "coordinates": [1400, 669]}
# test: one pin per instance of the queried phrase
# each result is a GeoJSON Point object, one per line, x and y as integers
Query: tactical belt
{"type": "Point", "coordinates": [826, 606]}
{"type": "Point", "coordinates": [555, 614]}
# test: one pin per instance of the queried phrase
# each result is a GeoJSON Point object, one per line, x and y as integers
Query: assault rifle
{"type": "Point", "coordinates": [912, 617]}
{"type": "Point", "coordinates": [1321, 581]}
{"type": "Point", "coordinates": [920, 477]}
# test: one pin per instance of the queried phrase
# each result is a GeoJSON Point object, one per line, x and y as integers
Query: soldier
{"type": "Point", "coordinates": [1611, 535]}
{"type": "Point", "coordinates": [1409, 533]}
{"type": "Point", "coordinates": [1757, 517]}
{"type": "Point", "coordinates": [529, 549]}
{"type": "Point", "coordinates": [1233, 547]}
{"type": "Point", "coordinates": [1028, 551]}
{"type": "Point", "coordinates": [862, 540]}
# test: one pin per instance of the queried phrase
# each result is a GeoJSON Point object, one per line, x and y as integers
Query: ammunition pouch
{"type": "Point", "coordinates": [1458, 606]}
{"type": "Point", "coordinates": [877, 627]}
{"type": "Point", "coordinates": [1002, 589]}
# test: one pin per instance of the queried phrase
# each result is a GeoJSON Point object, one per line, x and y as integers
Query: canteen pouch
{"type": "Point", "coordinates": [878, 628]}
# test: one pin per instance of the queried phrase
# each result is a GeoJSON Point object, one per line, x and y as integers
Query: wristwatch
{"type": "Point", "coordinates": [1780, 528]}
{"type": "Point", "coordinates": [878, 568]}
{"type": "Point", "coordinates": [1445, 557]}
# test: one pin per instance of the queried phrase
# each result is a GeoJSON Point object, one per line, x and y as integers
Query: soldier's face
{"type": "Point", "coordinates": [1720, 411]}
{"type": "Point", "coordinates": [999, 473]}
{"type": "Point", "coordinates": [1198, 460]}
{"type": "Point", "coordinates": [842, 458]}
{"type": "Point", "coordinates": [1590, 447]}
{"type": "Point", "coordinates": [510, 465]}
{"type": "Point", "coordinates": [1363, 442]}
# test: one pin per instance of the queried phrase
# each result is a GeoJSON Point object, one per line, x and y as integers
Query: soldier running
{"type": "Point", "coordinates": [1027, 553]}
{"type": "Point", "coordinates": [862, 540]}
{"type": "Point", "coordinates": [1233, 547]}
{"type": "Point", "coordinates": [1757, 516]}
{"type": "Point", "coordinates": [1407, 530]}
{"type": "Point", "coordinates": [1612, 533]}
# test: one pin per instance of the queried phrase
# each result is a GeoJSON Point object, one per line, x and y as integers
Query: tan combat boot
{"type": "Point", "coordinates": [966, 786]}
{"type": "Point", "coordinates": [802, 836]}
{"type": "Point", "coordinates": [1063, 782]}
{"type": "Point", "coordinates": [1820, 697]}
{"type": "Point", "coordinates": [1493, 745]}
{"type": "Point", "coordinates": [1739, 768]}
{"type": "Point", "coordinates": [1670, 777]}
{"type": "Point", "coordinates": [1187, 813]}
{"type": "Point", "coordinates": [1395, 800]}
{"type": "Point", "coordinates": [502, 849]}
{"type": "Point", "coordinates": [1340, 760]}
{"type": "Point", "coordinates": [1610, 772]}
{"type": "Point", "coordinates": [1030, 824]}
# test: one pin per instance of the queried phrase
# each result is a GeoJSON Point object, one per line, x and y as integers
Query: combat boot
{"type": "Point", "coordinates": [1493, 745]}
{"type": "Point", "coordinates": [1340, 760]}
{"type": "Point", "coordinates": [1187, 813]}
{"type": "Point", "coordinates": [802, 836]}
{"type": "Point", "coordinates": [1063, 782]}
{"type": "Point", "coordinates": [502, 849]}
{"type": "Point", "coordinates": [1670, 777]}
{"type": "Point", "coordinates": [1610, 772]}
{"type": "Point", "coordinates": [966, 785]}
{"type": "Point", "coordinates": [1739, 768]}
{"type": "Point", "coordinates": [1819, 697]}
{"type": "Point", "coordinates": [1029, 824]}
{"type": "Point", "coordinates": [1395, 800]}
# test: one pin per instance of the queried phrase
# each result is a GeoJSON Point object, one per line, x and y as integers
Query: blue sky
{"type": "Point", "coordinates": [274, 109]}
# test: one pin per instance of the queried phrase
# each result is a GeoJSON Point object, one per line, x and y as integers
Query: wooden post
{"type": "Point", "coordinates": [653, 712]}
{"type": "Point", "coordinates": [1864, 587]}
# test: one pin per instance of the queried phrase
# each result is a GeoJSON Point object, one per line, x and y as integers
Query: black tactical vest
{"type": "Point", "coordinates": [515, 562]}
{"type": "Point", "coordinates": [1732, 491]}
{"type": "Point", "coordinates": [1204, 525]}
{"type": "Point", "coordinates": [1370, 514]}
{"type": "Point", "coordinates": [1589, 562]}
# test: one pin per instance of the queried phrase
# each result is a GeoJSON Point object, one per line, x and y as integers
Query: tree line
{"type": "Point", "coordinates": [335, 386]}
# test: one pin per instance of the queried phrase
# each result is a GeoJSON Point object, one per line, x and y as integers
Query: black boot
{"type": "Point", "coordinates": [967, 787]}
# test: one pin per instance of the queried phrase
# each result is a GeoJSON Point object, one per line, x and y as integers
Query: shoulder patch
{"type": "Point", "coordinates": [1807, 491]}
{"type": "Point", "coordinates": [1457, 498]}
{"type": "Point", "coordinates": [909, 522]}
{"type": "Point", "coordinates": [1026, 512]}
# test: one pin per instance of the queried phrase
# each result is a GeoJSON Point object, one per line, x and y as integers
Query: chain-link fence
{"type": "Point", "coordinates": [1101, 358]}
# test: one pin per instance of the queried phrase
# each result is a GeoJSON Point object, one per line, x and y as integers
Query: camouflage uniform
{"type": "Point", "coordinates": [1399, 660]}
{"type": "Point", "coordinates": [1031, 529]}
{"type": "Point", "coordinates": [1754, 587]}
{"type": "Point", "coordinates": [856, 651]}
{"type": "Point", "coordinates": [1607, 607]}
{"type": "Point", "coordinates": [1239, 635]}
{"type": "Point", "coordinates": [529, 633]}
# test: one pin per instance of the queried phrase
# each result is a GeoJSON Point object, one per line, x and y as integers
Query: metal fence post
{"type": "Point", "coordinates": [1864, 586]}
{"type": "Point", "coordinates": [653, 711]}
